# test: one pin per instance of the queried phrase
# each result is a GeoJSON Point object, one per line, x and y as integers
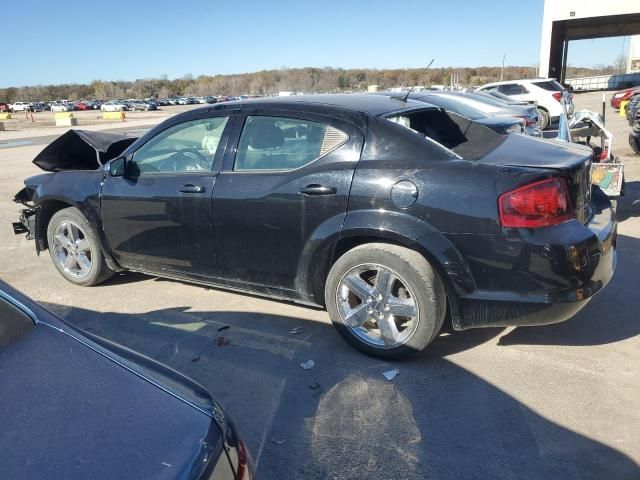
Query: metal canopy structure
{"type": "Point", "coordinates": [566, 20]}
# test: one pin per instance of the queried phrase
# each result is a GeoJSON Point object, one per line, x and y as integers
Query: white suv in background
{"type": "Point", "coordinates": [546, 93]}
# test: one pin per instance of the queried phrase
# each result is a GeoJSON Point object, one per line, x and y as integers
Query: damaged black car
{"type": "Point", "coordinates": [394, 215]}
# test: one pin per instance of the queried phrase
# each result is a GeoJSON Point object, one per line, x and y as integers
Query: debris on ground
{"type": "Point", "coordinates": [222, 341]}
{"type": "Point", "coordinates": [224, 327]}
{"type": "Point", "coordinates": [277, 441]}
{"type": "Point", "coordinates": [196, 358]}
{"type": "Point", "coordinates": [314, 386]}
{"type": "Point", "coordinates": [295, 331]}
{"type": "Point", "coordinates": [308, 365]}
{"type": "Point", "coordinates": [391, 374]}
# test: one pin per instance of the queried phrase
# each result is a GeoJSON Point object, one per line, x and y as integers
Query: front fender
{"type": "Point", "coordinates": [79, 189]}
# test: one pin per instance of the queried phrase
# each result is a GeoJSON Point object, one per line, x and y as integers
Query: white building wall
{"type": "Point", "coordinates": [555, 10]}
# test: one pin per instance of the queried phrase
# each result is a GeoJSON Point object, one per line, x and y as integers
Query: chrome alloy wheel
{"type": "Point", "coordinates": [377, 306]}
{"type": "Point", "coordinates": [71, 249]}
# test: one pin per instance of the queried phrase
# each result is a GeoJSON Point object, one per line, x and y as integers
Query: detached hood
{"type": "Point", "coordinates": [82, 150]}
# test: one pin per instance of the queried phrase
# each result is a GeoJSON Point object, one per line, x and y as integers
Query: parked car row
{"type": "Point", "coordinates": [207, 99]}
{"type": "Point", "coordinates": [186, 100]}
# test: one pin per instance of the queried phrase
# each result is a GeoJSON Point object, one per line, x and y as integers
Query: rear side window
{"type": "Point", "coordinates": [280, 143]}
{"type": "Point", "coordinates": [512, 89]}
{"type": "Point", "coordinates": [550, 85]}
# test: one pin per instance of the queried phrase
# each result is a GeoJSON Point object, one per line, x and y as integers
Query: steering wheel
{"type": "Point", "coordinates": [192, 157]}
{"type": "Point", "coordinates": [200, 161]}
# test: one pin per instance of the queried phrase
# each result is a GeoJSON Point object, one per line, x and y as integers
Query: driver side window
{"type": "Point", "coordinates": [186, 147]}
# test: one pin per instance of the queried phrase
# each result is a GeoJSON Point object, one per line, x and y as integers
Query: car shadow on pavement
{"type": "Point", "coordinates": [611, 316]}
{"type": "Point", "coordinates": [629, 203]}
{"type": "Point", "coordinates": [122, 278]}
{"type": "Point", "coordinates": [343, 419]}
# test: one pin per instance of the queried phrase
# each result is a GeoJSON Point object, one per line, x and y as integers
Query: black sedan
{"type": "Point", "coordinates": [76, 406]}
{"type": "Point", "coordinates": [393, 214]}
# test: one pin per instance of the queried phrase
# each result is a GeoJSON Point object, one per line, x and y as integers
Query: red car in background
{"type": "Point", "coordinates": [82, 106]}
{"type": "Point", "coordinates": [622, 95]}
{"type": "Point", "coordinates": [4, 107]}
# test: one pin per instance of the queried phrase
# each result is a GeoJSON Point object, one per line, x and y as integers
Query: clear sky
{"type": "Point", "coordinates": [71, 41]}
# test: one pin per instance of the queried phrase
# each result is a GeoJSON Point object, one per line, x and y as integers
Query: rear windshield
{"type": "Point", "coordinates": [550, 85]}
{"type": "Point", "coordinates": [462, 105]}
{"type": "Point", "coordinates": [466, 138]}
{"type": "Point", "coordinates": [14, 323]}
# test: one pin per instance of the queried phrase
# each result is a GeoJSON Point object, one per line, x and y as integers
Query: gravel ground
{"type": "Point", "coordinates": [551, 402]}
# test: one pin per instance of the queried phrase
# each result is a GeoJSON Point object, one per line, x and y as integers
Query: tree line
{"type": "Point", "coordinates": [269, 82]}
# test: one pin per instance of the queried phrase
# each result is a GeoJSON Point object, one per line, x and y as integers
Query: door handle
{"type": "Point", "coordinates": [190, 188]}
{"type": "Point", "coordinates": [315, 189]}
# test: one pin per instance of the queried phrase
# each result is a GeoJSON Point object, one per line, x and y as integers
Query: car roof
{"type": "Point", "coordinates": [377, 105]}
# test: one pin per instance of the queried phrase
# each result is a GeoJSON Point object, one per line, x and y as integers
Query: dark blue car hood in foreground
{"type": "Point", "coordinates": [69, 411]}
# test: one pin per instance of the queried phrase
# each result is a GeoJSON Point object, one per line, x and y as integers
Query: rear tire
{"type": "Point", "coordinates": [543, 119]}
{"type": "Point", "coordinates": [75, 248]}
{"type": "Point", "coordinates": [369, 283]}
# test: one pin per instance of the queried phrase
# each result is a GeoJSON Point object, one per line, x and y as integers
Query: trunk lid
{"type": "Point", "coordinates": [571, 161]}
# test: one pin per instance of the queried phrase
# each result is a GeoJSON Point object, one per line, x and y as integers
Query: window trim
{"type": "Point", "coordinates": [279, 170]}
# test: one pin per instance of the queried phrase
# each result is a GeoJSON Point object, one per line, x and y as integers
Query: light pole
{"type": "Point", "coordinates": [502, 69]}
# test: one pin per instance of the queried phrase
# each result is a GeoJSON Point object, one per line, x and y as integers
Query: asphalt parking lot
{"type": "Point", "coordinates": [559, 401]}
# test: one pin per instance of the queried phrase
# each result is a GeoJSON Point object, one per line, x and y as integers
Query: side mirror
{"type": "Point", "coordinates": [117, 167]}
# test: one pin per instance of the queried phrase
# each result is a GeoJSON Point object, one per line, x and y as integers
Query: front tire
{"type": "Point", "coordinates": [75, 248]}
{"type": "Point", "coordinates": [385, 300]}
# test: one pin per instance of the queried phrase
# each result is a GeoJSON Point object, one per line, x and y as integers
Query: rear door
{"type": "Point", "coordinates": [284, 184]}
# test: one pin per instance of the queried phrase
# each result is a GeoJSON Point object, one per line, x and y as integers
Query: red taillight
{"type": "Point", "coordinates": [558, 96]}
{"type": "Point", "coordinates": [535, 205]}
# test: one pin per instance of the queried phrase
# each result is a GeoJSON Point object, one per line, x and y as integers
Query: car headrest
{"type": "Point", "coordinates": [265, 136]}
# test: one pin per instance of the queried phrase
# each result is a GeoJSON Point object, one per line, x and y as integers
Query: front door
{"type": "Point", "coordinates": [285, 184]}
{"type": "Point", "coordinates": [157, 217]}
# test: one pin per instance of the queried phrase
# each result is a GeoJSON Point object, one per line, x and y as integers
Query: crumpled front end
{"type": "Point", "coordinates": [28, 219]}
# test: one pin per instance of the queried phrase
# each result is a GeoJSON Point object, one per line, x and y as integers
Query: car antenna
{"type": "Point", "coordinates": [404, 99]}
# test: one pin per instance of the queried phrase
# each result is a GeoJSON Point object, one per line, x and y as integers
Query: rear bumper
{"type": "Point", "coordinates": [585, 262]}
